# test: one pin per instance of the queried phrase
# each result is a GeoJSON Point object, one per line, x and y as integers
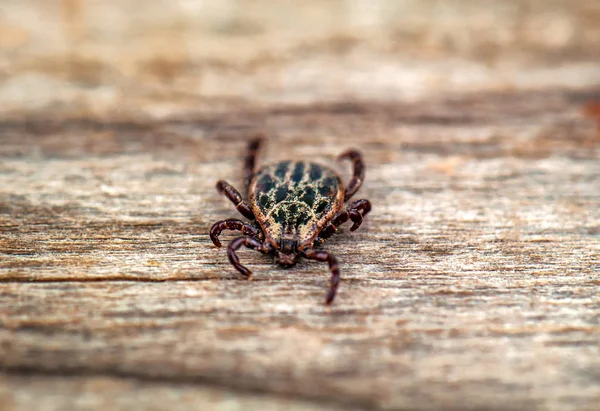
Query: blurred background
{"type": "Point", "coordinates": [166, 57]}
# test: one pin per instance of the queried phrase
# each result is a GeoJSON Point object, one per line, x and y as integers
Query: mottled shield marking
{"type": "Point", "coordinates": [295, 199]}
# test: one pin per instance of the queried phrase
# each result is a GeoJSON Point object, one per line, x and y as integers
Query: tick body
{"type": "Point", "coordinates": [292, 206]}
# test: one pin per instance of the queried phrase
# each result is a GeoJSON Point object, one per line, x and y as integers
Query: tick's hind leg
{"type": "Point", "coordinates": [233, 224]}
{"type": "Point", "coordinates": [355, 212]}
{"type": "Point", "coordinates": [250, 161]}
{"type": "Point", "coordinates": [358, 173]}
{"type": "Point", "coordinates": [249, 242]}
{"type": "Point", "coordinates": [324, 256]}
{"type": "Point", "coordinates": [236, 198]}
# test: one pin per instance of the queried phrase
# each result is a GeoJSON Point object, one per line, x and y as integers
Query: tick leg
{"type": "Point", "coordinates": [339, 219]}
{"type": "Point", "coordinates": [250, 161]}
{"type": "Point", "coordinates": [355, 212]}
{"type": "Point", "coordinates": [233, 224]}
{"type": "Point", "coordinates": [358, 174]}
{"type": "Point", "coordinates": [236, 198]}
{"type": "Point", "coordinates": [324, 256]}
{"type": "Point", "coordinates": [236, 244]}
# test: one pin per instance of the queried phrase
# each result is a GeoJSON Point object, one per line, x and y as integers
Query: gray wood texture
{"type": "Point", "coordinates": [472, 285]}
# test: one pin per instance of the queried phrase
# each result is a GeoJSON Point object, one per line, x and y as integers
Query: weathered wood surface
{"type": "Point", "coordinates": [473, 284]}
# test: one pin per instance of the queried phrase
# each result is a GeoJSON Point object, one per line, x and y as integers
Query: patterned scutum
{"type": "Point", "coordinates": [295, 199]}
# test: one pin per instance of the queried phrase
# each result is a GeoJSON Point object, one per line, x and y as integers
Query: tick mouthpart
{"type": "Point", "coordinates": [286, 260]}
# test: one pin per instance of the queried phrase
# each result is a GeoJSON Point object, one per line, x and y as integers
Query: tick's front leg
{"type": "Point", "coordinates": [236, 245]}
{"type": "Point", "coordinates": [233, 224]}
{"type": "Point", "coordinates": [324, 256]}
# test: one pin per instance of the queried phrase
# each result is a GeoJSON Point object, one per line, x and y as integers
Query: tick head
{"type": "Point", "coordinates": [287, 254]}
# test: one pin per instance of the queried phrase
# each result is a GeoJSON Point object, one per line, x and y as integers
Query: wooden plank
{"type": "Point", "coordinates": [472, 285]}
{"type": "Point", "coordinates": [477, 271]}
{"type": "Point", "coordinates": [105, 393]}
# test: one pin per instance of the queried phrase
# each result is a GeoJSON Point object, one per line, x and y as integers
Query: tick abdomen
{"type": "Point", "coordinates": [295, 197]}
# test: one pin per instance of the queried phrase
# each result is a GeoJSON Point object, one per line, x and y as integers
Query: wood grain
{"type": "Point", "coordinates": [472, 285]}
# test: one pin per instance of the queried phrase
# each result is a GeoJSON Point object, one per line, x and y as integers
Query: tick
{"type": "Point", "coordinates": [292, 207]}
